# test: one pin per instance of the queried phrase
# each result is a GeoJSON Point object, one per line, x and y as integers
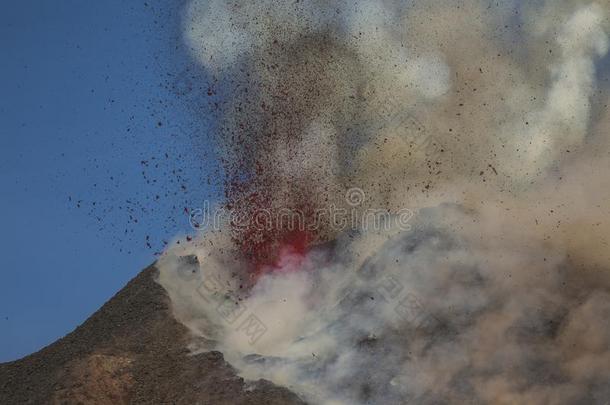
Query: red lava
{"type": "Point", "coordinates": [267, 242]}
{"type": "Point", "coordinates": [280, 256]}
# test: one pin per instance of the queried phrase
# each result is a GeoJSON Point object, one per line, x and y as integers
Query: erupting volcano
{"type": "Point", "coordinates": [418, 198]}
{"type": "Point", "coordinates": [266, 236]}
{"type": "Point", "coordinates": [483, 119]}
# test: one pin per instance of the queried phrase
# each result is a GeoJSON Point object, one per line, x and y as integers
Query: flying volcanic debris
{"type": "Point", "coordinates": [419, 200]}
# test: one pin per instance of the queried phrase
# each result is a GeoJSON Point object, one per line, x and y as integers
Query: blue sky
{"type": "Point", "coordinates": [95, 135]}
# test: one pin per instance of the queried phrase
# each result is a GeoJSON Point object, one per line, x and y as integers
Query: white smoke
{"type": "Point", "coordinates": [500, 293]}
{"type": "Point", "coordinates": [562, 122]}
{"type": "Point", "coordinates": [437, 314]}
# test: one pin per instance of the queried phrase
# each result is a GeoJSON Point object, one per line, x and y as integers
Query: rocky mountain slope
{"type": "Point", "coordinates": [131, 351]}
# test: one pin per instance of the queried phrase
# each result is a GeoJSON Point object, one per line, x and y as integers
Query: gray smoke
{"type": "Point", "coordinates": [484, 118]}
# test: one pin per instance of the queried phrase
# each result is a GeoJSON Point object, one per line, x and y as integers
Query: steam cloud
{"type": "Point", "coordinates": [488, 119]}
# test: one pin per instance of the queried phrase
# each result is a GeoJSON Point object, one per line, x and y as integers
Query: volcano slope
{"type": "Point", "coordinates": [131, 351]}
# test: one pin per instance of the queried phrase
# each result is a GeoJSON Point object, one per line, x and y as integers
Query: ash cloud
{"type": "Point", "coordinates": [484, 117]}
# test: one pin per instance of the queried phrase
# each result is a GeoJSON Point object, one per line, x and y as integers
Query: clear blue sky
{"type": "Point", "coordinates": [96, 133]}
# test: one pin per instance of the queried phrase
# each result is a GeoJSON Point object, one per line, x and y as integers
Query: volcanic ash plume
{"type": "Point", "coordinates": [487, 121]}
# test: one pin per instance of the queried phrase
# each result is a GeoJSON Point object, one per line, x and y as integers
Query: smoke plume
{"type": "Point", "coordinates": [486, 120]}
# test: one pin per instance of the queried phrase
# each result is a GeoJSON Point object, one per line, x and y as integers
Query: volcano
{"type": "Point", "coordinates": [132, 351]}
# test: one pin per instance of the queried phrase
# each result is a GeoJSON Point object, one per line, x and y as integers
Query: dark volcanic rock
{"type": "Point", "coordinates": [131, 351]}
